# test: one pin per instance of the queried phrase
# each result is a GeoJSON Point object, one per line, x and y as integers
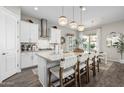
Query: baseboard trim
{"type": "Point", "coordinates": [113, 60]}
{"type": "Point", "coordinates": [29, 68]}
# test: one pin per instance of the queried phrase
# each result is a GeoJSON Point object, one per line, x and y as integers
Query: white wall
{"type": "Point", "coordinates": [105, 30]}
{"type": "Point", "coordinates": [15, 9]}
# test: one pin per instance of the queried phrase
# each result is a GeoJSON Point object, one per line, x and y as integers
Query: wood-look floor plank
{"type": "Point", "coordinates": [110, 75]}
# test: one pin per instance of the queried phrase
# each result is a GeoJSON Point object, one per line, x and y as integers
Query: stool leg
{"type": "Point", "coordinates": [61, 75]}
{"type": "Point", "coordinates": [75, 74]}
{"type": "Point", "coordinates": [75, 79]}
{"type": "Point", "coordinates": [79, 80]}
{"type": "Point", "coordinates": [61, 82]}
{"type": "Point", "coordinates": [79, 77]}
{"type": "Point", "coordinates": [94, 68]}
{"type": "Point", "coordinates": [98, 64]}
{"type": "Point", "coordinates": [88, 73]}
{"type": "Point", "coordinates": [49, 78]}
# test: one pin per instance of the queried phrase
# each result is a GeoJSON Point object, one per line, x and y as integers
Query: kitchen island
{"type": "Point", "coordinates": [46, 60]}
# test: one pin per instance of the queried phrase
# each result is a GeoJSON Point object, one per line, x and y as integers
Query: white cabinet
{"type": "Point", "coordinates": [42, 71]}
{"type": "Point", "coordinates": [24, 33]}
{"type": "Point", "coordinates": [55, 35]}
{"type": "Point", "coordinates": [28, 59]}
{"type": "Point", "coordinates": [34, 59]}
{"type": "Point", "coordinates": [8, 44]}
{"type": "Point", "coordinates": [33, 32]}
{"type": "Point", "coordinates": [29, 32]}
{"type": "Point", "coordinates": [70, 43]}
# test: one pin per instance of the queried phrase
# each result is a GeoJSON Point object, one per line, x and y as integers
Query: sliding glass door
{"type": "Point", "coordinates": [90, 42]}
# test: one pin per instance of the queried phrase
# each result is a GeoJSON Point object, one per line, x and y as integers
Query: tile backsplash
{"type": "Point", "coordinates": [43, 44]}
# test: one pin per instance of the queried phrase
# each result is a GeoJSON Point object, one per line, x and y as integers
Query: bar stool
{"type": "Point", "coordinates": [91, 64]}
{"type": "Point", "coordinates": [97, 60]}
{"type": "Point", "coordinates": [82, 67]}
{"type": "Point", "coordinates": [103, 57]}
{"type": "Point", "coordinates": [67, 68]}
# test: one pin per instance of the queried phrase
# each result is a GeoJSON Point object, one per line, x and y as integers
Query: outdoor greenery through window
{"type": "Point", "coordinates": [90, 42]}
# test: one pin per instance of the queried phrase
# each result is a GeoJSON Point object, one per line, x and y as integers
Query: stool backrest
{"type": "Point", "coordinates": [68, 61]}
{"type": "Point", "coordinates": [83, 57]}
{"type": "Point", "coordinates": [92, 55]}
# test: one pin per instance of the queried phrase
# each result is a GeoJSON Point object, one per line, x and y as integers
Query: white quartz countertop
{"type": "Point", "coordinates": [49, 55]}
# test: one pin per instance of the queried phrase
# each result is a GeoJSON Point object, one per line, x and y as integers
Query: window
{"type": "Point", "coordinates": [90, 42]}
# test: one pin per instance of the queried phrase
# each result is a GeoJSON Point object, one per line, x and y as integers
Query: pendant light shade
{"type": "Point", "coordinates": [62, 19]}
{"type": "Point", "coordinates": [73, 25]}
{"type": "Point", "coordinates": [81, 26]}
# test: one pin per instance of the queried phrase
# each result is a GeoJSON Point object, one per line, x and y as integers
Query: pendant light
{"type": "Point", "coordinates": [73, 25]}
{"type": "Point", "coordinates": [62, 19]}
{"type": "Point", "coordinates": [81, 26]}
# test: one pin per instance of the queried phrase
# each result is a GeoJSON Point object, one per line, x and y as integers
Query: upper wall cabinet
{"type": "Point", "coordinates": [55, 35]}
{"type": "Point", "coordinates": [29, 32]}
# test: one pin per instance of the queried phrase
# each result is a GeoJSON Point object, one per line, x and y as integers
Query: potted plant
{"type": "Point", "coordinates": [120, 46]}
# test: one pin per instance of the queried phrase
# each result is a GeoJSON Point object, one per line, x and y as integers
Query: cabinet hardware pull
{"type": "Point", "coordinates": [3, 53]}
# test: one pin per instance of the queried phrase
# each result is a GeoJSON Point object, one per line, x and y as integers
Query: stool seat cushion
{"type": "Point", "coordinates": [81, 59]}
{"type": "Point", "coordinates": [82, 65]}
{"type": "Point", "coordinates": [101, 57]}
{"type": "Point", "coordinates": [66, 72]}
{"type": "Point", "coordinates": [90, 61]}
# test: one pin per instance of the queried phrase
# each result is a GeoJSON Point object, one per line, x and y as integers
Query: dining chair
{"type": "Point", "coordinates": [66, 69]}
{"type": "Point", "coordinates": [94, 61]}
{"type": "Point", "coordinates": [82, 67]}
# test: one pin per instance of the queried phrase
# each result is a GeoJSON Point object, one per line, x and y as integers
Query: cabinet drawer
{"type": "Point", "coordinates": [26, 60]}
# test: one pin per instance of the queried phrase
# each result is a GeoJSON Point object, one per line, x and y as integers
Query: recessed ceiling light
{"type": "Point", "coordinates": [83, 8]}
{"type": "Point", "coordinates": [35, 8]}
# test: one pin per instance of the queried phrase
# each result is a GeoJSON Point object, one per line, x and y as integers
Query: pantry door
{"type": "Point", "coordinates": [8, 49]}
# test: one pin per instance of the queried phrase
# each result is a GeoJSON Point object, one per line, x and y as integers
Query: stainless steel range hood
{"type": "Point", "coordinates": [44, 33]}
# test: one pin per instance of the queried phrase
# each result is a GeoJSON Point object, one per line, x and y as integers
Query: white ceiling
{"type": "Point", "coordinates": [93, 16]}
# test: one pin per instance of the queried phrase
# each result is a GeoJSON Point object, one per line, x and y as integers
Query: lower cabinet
{"type": "Point", "coordinates": [34, 59]}
{"type": "Point", "coordinates": [28, 59]}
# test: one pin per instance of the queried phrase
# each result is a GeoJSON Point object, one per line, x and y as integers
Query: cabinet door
{"type": "Point", "coordinates": [2, 32]}
{"type": "Point", "coordinates": [55, 35]}
{"type": "Point", "coordinates": [34, 32]}
{"type": "Point", "coordinates": [35, 59]}
{"type": "Point", "coordinates": [58, 36]}
{"type": "Point", "coordinates": [26, 60]}
{"type": "Point", "coordinates": [42, 71]}
{"type": "Point", "coordinates": [25, 32]}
